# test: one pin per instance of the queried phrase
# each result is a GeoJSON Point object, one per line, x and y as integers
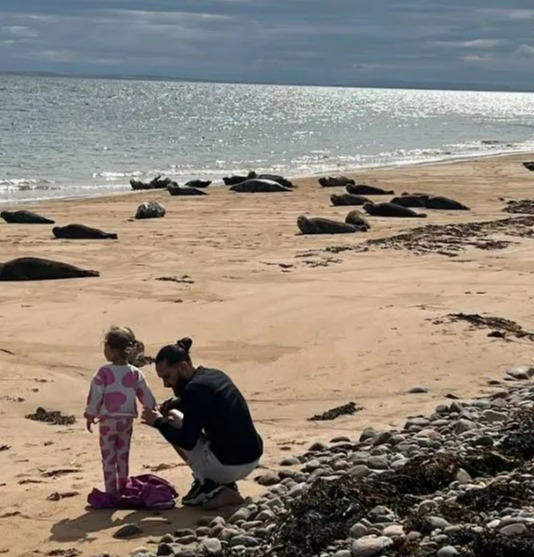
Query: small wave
{"type": "Point", "coordinates": [116, 175]}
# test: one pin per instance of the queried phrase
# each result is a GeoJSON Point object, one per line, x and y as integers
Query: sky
{"type": "Point", "coordinates": [323, 42]}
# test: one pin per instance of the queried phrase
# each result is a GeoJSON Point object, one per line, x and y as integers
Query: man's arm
{"type": "Point", "coordinates": [194, 406]}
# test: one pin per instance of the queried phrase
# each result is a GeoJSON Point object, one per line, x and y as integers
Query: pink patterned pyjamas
{"type": "Point", "coordinates": [115, 437]}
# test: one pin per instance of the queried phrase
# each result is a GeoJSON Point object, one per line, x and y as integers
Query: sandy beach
{"type": "Point", "coordinates": [301, 323]}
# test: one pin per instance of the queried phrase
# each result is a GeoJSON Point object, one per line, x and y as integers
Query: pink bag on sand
{"type": "Point", "coordinates": [141, 492]}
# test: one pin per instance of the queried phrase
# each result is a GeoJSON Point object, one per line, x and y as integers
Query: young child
{"type": "Point", "coordinates": [112, 403]}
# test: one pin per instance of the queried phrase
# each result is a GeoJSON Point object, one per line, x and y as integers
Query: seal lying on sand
{"type": "Point", "coordinates": [156, 183]}
{"type": "Point", "coordinates": [198, 183]}
{"type": "Point", "coordinates": [150, 210]}
{"type": "Point", "coordinates": [529, 165]}
{"type": "Point", "coordinates": [35, 268]}
{"type": "Point", "coordinates": [347, 199]}
{"type": "Point", "coordinates": [24, 217]}
{"type": "Point", "coordinates": [82, 232]}
{"type": "Point", "coordinates": [318, 225]}
{"type": "Point", "coordinates": [444, 203]}
{"type": "Point", "coordinates": [357, 219]}
{"type": "Point", "coordinates": [410, 200]}
{"type": "Point", "coordinates": [185, 190]}
{"type": "Point", "coordinates": [428, 201]}
{"type": "Point", "coordinates": [390, 210]}
{"type": "Point", "coordinates": [364, 189]}
{"type": "Point", "coordinates": [335, 181]}
{"type": "Point", "coordinates": [258, 186]}
{"type": "Point", "coordinates": [276, 178]}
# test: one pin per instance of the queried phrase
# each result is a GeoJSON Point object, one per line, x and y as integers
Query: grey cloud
{"type": "Point", "coordinates": [301, 41]}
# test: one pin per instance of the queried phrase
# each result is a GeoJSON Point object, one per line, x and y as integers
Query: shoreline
{"type": "Point", "coordinates": [452, 159]}
{"type": "Point", "coordinates": [301, 327]}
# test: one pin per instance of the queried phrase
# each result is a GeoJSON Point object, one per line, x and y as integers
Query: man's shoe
{"type": "Point", "coordinates": [205, 492]}
{"type": "Point", "coordinates": [193, 493]}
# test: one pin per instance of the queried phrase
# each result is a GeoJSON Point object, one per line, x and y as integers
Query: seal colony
{"type": "Point", "coordinates": [221, 240]}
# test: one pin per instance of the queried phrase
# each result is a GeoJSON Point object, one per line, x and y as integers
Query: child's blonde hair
{"type": "Point", "coordinates": [121, 339]}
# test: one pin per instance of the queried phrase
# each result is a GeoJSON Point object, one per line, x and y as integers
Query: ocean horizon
{"type": "Point", "coordinates": [64, 137]}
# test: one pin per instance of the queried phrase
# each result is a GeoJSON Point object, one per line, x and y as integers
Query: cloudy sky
{"type": "Point", "coordinates": [276, 41]}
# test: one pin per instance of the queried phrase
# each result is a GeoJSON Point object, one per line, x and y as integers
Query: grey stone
{"type": "Point", "coordinates": [462, 476]}
{"type": "Point", "coordinates": [246, 541]}
{"type": "Point", "coordinates": [242, 514]}
{"type": "Point", "coordinates": [359, 471]}
{"type": "Point", "coordinates": [210, 546]}
{"type": "Point", "coordinates": [493, 416]}
{"type": "Point", "coordinates": [393, 531]}
{"type": "Point", "coordinates": [358, 531]}
{"type": "Point", "coordinates": [165, 549]}
{"type": "Point", "coordinates": [447, 551]}
{"type": "Point", "coordinates": [127, 531]}
{"type": "Point", "coordinates": [186, 540]}
{"type": "Point", "coordinates": [290, 461]}
{"type": "Point", "coordinates": [369, 546]}
{"type": "Point", "coordinates": [269, 478]}
{"type": "Point", "coordinates": [520, 373]}
{"type": "Point", "coordinates": [464, 425]}
{"type": "Point", "coordinates": [513, 529]}
{"type": "Point", "coordinates": [437, 522]}
{"type": "Point", "coordinates": [318, 446]}
{"type": "Point", "coordinates": [416, 390]}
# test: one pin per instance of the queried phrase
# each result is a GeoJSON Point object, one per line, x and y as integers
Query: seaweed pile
{"type": "Point", "coordinates": [53, 417]}
{"type": "Point", "coordinates": [450, 239]}
{"type": "Point", "coordinates": [459, 482]}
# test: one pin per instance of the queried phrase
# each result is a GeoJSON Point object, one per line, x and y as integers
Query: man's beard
{"type": "Point", "coordinates": [180, 386]}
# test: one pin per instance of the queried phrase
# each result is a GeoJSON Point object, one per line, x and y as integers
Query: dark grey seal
{"type": "Point", "coordinates": [275, 178]}
{"type": "Point", "coordinates": [198, 183]}
{"type": "Point", "coordinates": [347, 199]}
{"type": "Point", "coordinates": [35, 268]}
{"type": "Point", "coordinates": [82, 232]}
{"type": "Point", "coordinates": [529, 165]}
{"type": "Point", "coordinates": [390, 210]}
{"type": "Point", "coordinates": [335, 181]}
{"type": "Point", "coordinates": [237, 179]}
{"type": "Point", "coordinates": [24, 217]}
{"type": "Point", "coordinates": [150, 210]}
{"type": "Point", "coordinates": [444, 203]}
{"type": "Point", "coordinates": [185, 190]}
{"type": "Point", "coordinates": [364, 189]}
{"type": "Point", "coordinates": [410, 200]}
{"type": "Point", "coordinates": [256, 185]}
{"type": "Point", "coordinates": [156, 183]}
{"type": "Point", "coordinates": [357, 219]}
{"type": "Point", "coordinates": [318, 225]}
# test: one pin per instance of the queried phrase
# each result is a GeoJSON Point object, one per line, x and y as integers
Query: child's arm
{"type": "Point", "coordinates": [95, 396]}
{"type": "Point", "coordinates": [143, 392]}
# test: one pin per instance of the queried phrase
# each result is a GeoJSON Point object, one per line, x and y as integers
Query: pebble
{"type": "Point", "coordinates": [210, 546]}
{"type": "Point", "coordinates": [127, 531]}
{"type": "Point", "coordinates": [369, 546]}
{"type": "Point", "coordinates": [447, 551]}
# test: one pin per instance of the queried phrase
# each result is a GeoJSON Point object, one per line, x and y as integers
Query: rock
{"type": "Point", "coordinates": [493, 416]}
{"type": "Point", "coordinates": [210, 546]}
{"type": "Point", "coordinates": [269, 478]}
{"type": "Point", "coordinates": [447, 551]}
{"type": "Point", "coordinates": [242, 514]}
{"type": "Point", "coordinates": [318, 446]}
{"type": "Point", "coordinates": [368, 433]}
{"type": "Point", "coordinates": [462, 476]}
{"type": "Point", "coordinates": [515, 529]}
{"type": "Point", "coordinates": [183, 532]}
{"type": "Point", "coordinates": [340, 439]}
{"type": "Point", "coordinates": [245, 541]}
{"type": "Point", "coordinates": [416, 390]}
{"type": "Point", "coordinates": [165, 549]}
{"type": "Point", "coordinates": [186, 540]}
{"type": "Point", "coordinates": [358, 531]}
{"type": "Point", "coordinates": [127, 531]}
{"type": "Point", "coordinates": [464, 425]}
{"type": "Point", "coordinates": [378, 463]}
{"type": "Point", "coordinates": [520, 373]}
{"type": "Point", "coordinates": [436, 522]}
{"type": "Point", "coordinates": [359, 471]}
{"type": "Point", "coordinates": [167, 538]}
{"type": "Point", "coordinates": [393, 531]}
{"type": "Point", "coordinates": [369, 546]}
{"type": "Point", "coordinates": [290, 461]}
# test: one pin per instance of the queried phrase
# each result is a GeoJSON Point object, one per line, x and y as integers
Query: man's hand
{"type": "Point", "coordinates": [168, 405]}
{"type": "Point", "coordinates": [150, 415]}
